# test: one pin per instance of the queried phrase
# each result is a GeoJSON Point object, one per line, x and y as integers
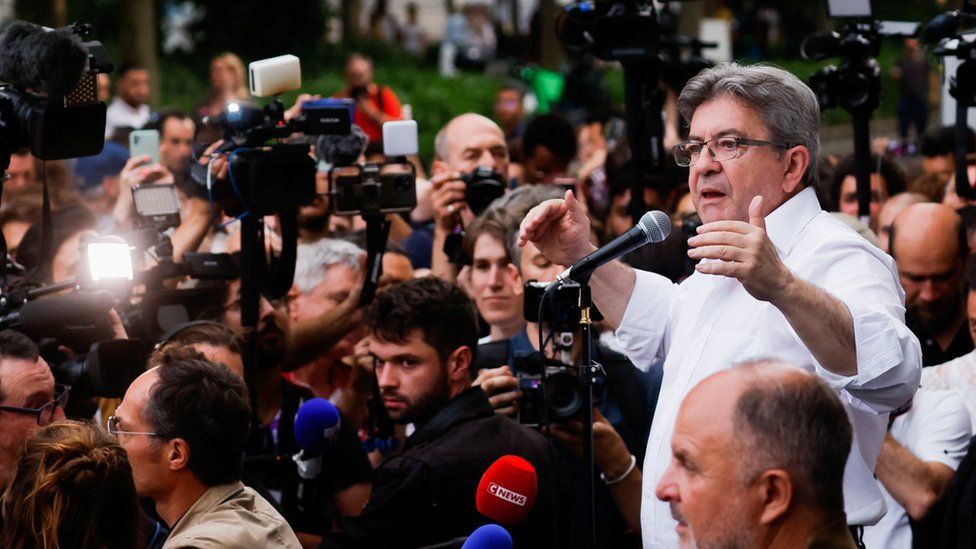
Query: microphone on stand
{"type": "Point", "coordinates": [654, 226]}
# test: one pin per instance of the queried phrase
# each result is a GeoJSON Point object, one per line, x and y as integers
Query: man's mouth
{"type": "Point", "coordinates": [712, 194]}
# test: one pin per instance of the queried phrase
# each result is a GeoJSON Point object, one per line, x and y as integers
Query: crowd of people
{"type": "Point", "coordinates": [775, 373]}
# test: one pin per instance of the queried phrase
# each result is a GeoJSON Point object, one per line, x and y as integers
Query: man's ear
{"type": "Point", "coordinates": [459, 364]}
{"type": "Point", "coordinates": [776, 493]}
{"type": "Point", "coordinates": [177, 454]}
{"type": "Point", "coordinates": [797, 160]}
{"type": "Point", "coordinates": [438, 166]}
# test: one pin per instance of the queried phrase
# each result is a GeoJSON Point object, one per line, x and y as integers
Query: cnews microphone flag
{"type": "Point", "coordinates": [507, 490]}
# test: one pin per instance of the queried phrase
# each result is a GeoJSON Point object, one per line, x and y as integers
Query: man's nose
{"type": "Point", "coordinates": [706, 163]}
{"type": "Point", "coordinates": [927, 291]}
{"type": "Point", "coordinates": [666, 489]}
{"type": "Point", "coordinates": [386, 376]}
{"type": "Point", "coordinates": [496, 277]}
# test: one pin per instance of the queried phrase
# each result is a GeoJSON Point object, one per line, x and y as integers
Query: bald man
{"type": "Point", "coordinates": [758, 454]}
{"type": "Point", "coordinates": [928, 242]}
{"type": "Point", "coordinates": [890, 210]}
{"type": "Point", "coordinates": [466, 142]}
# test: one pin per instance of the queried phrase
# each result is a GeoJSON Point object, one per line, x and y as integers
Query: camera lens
{"type": "Point", "coordinates": [563, 392]}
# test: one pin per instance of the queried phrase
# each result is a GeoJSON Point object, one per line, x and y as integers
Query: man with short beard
{"type": "Point", "coordinates": [424, 333]}
{"type": "Point", "coordinates": [928, 242]}
{"type": "Point", "coordinates": [758, 456]}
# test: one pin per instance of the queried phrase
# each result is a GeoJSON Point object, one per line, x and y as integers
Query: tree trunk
{"type": "Point", "coordinates": [137, 39]}
{"type": "Point", "coordinates": [351, 10]}
{"type": "Point", "coordinates": [551, 51]}
{"type": "Point", "coordinates": [50, 13]}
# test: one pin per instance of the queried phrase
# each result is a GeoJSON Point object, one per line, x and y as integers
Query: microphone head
{"type": "Point", "coordinates": [341, 150]}
{"type": "Point", "coordinates": [316, 425]}
{"type": "Point", "coordinates": [48, 61]}
{"type": "Point", "coordinates": [489, 536]}
{"type": "Point", "coordinates": [656, 225]}
{"type": "Point", "coordinates": [507, 490]}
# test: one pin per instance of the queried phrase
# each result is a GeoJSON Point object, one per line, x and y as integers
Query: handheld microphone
{"type": "Point", "coordinates": [46, 61]}
{"type": "Point", "coordinates": [507, 490]}
{"type": "Point", "coordinates": [317, 424]}
{"type": "Point", "coordinates": [341, 150]}
{"type": "Point", "coordinates": [654, 226]}
{"type": "Point", "coordinates": [489, 536]}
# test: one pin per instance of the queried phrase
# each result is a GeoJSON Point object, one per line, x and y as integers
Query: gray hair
{"type": "Point", "coordinates": [788, 418]}
{"type": "Point", "coordinates": [518, 203]}
{"type": "Point", "coordinates": [316, 258]}
{"type": "Point", "coordinates": [786, 105]}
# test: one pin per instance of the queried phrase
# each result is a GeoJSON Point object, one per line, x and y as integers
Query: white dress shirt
{"type": "Point", "coordinates": [936, 429]}
{"type": "Point", "coordinates": [709, 322]}
{"type": "Point", "coordinates": [122, 115]}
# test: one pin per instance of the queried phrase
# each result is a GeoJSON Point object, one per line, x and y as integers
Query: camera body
{"type": "Point", "coordinates": [557, 393]}
{"type": "Point", "coordinates": [483, 185]}
{"type": "Point", "coordinates": [379, 187]}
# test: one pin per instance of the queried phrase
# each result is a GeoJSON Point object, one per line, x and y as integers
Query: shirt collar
{"type": "Point", "coordinates": [784, 224]}
{"type": "Point", "coordinates": [472, 404]}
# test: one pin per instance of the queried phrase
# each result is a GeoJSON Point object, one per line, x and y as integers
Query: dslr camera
{"type": "Point", "coordinates": [483, 185]}
{"type": "Point", "coordinates": [379, 187]}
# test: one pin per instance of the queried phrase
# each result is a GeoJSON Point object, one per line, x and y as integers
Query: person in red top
{"type": "Point", "coordinates": [375, 104]}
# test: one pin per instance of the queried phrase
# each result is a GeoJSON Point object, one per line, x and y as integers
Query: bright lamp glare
{"type": "Point", "coordinates": [233, 107]}
{"type": "Point", "coordinates": [109, 260]}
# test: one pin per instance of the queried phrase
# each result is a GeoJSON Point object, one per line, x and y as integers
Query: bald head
{"type": "Point", "coordinates": [890, 210]}
{"type": "Point", "coordinates": [470, 140]}
{"type": "Point", "coordinates": [927, 233]}
{"type": "Point", "coordinates": [781, 416]}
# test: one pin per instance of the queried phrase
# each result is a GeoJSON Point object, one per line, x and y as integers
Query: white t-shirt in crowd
{"type": "Point", "coordinates": [936, 429]}
{"type": "Point", "coordinates": [122, 115]}
{"type": "Point", "coordinates": [959, 375]}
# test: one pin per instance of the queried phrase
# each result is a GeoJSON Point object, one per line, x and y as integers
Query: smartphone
{"type": "Point", "coordinates": [144, 143]}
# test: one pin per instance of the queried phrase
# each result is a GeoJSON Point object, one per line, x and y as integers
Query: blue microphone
{"type": "Point", "coordinates": [489, 536]}
{"type": "Point", "coordinates": [317, 424]}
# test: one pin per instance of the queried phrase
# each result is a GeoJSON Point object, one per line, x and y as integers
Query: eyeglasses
{"type": "Point", "coordinates": [113, 429]}
{"type": "Point", "coordinates": [44, 414]}
{"type": "Point", "coordinates": [725, 148]}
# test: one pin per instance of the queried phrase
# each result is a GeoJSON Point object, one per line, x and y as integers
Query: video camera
{"type": "Point", "coordinates": [50, 100]}
{"type": "Point", "coordinates": [379, 187]}
{"type": "Point", "coordinates": [551, 388]}
{"type": "Point", "coordinates": [854, 85]}
{"type": "Point", "coordinates": [265, 179]}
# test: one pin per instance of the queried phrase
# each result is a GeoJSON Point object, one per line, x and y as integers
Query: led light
{"type": "Point", "coordinates": [109, 258]}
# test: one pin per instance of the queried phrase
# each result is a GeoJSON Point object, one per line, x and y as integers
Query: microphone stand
{"type": "Point", "coordinates": [586, 373]}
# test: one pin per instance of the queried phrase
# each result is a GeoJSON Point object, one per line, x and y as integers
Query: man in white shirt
{"type": "Point", "coordinates": [917, 461]}
{"type": "Point", "coordinates": [129, 108]}
{"type": "Point", "coordinates": [778, 277]}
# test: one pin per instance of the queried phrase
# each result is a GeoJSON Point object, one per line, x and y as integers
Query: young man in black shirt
{"type": "Point", "coordinates": [423, 338]}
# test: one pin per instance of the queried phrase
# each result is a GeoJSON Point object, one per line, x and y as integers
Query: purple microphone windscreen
{"type": "Point", "coordinates": [316, 425]}
{"type": "Point", "coordinates": [489, 536]}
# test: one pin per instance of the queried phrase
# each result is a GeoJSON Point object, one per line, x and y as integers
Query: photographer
{"type": "Point", "coordinates": [466, 142]}
{"type": "Point", "coordinates": [375, 104]}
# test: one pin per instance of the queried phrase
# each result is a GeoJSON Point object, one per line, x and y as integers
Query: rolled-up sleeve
{"type": "Point", "coordinates": [644, 329]}
{"type": "Point", "coordinates": [889, 357]}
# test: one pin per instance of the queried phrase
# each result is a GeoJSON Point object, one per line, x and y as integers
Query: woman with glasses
{"type": "Point", "coordinates": [71, 488]}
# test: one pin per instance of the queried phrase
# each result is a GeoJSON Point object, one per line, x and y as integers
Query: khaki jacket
{"type": "Point", "coordinates": [231, 515]}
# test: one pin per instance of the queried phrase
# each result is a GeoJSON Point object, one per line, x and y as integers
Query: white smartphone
{"type": "Point", "coordinates": [144, 143]}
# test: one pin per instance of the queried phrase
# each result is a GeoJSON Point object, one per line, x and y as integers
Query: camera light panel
{"type": "Point", "coordinates": [109, 260]}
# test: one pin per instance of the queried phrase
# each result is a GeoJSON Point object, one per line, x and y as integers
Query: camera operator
{"type": "Point", "coordinates": [175, 139]}
{"type": "Point", "coordinates": [778, 276]}
{"type": "Point", "coordinates": [463, 144]}
{"type": "Point", "coordinates": [423, 338]}
{"type": "Point", "coordinates": [305, 503]}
